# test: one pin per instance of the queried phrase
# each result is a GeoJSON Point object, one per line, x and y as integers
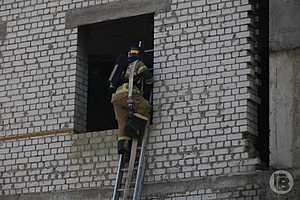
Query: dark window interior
{"type": "Point", "coordinates": [103, 43]}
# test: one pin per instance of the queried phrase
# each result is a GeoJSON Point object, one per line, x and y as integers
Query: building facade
{"type": "Point", "coordinates": [209, 137]}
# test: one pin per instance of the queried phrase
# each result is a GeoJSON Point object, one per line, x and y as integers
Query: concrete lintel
{"type": "Point", "coordinates": [114, 10]}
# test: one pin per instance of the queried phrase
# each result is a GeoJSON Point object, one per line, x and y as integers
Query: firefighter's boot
{"type": "Point", "coordinates": [124, 145]}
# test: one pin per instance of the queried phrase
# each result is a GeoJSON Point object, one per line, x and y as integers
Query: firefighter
{"type": "Point", "coordinates": [131, 123]}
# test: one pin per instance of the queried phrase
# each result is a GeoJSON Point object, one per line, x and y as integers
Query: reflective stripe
{"type": "Point", "coordinates": [149, 82]}
{"type": "Point", "coordinates": [124, 88]}
{"type": "Point", "coordinates": [134, 51]}
{"type": "Point", "coordinates": [141, 69]}
{"type": "Point", "coordinates": [138, 115]}
{"type": "Point", "coordinates": [124, 138]}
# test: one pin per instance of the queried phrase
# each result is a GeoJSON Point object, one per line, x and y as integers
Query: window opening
{"type": "Point", "coordinates": [103, 43]}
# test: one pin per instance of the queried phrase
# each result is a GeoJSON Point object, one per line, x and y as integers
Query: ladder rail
{"type": "Point", "coordinates": [130, 168]}
{"type": "Point", "coordinates": [141, 160]}
{"type": "Point", "coordinates": [119, 176]}
{"type": "Point", "coordinates": [130, 109]}
{"type": "Point", "coordinates": [141, 167]}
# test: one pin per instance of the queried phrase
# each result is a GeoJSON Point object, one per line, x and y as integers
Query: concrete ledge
{"type": "Point", "coordinates": [259, 179]}
{"type": "Point", "coordinates": [114, 10]}
{"type": "Point", "coordinates": [15, 137]}
{"type": "Point", "coordinates": [88, 194]}
{"type": "Point", "coordinates": [213, 182]}
{"type": "Point", "coordinates": [226, 182]}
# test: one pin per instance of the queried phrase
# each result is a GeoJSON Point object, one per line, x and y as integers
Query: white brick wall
{"type": "Point", "coordinates": [205, 97]}
{"type": "Point", "coordinates": [57, 162]}
{"type": "Point", "coordinates": [203, 92]}
{"type": "Point", "coordinates": [38, 66]}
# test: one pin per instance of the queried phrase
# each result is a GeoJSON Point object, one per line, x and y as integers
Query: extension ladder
{"type": "Point", "coordinates": [130, 185]}
{"type": "Point", "coordinates": [130, 188]}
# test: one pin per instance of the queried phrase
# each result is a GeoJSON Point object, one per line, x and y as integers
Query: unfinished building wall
{"type": "Point", "coordinates": [204, 109]}
{"type": "Point", "coordinates": [38, 67]}
{"type": "Point", "coordinates": [205, 96]}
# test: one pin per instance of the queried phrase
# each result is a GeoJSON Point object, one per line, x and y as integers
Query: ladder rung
{"type": "Point", "coordinates": [126, 169]}
{"type": "Point", "coordinates": [122, 189]}
{"type": "Point", "coordinates": [132, 182]}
